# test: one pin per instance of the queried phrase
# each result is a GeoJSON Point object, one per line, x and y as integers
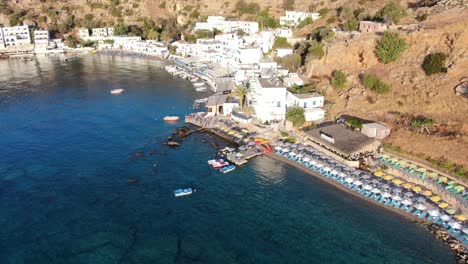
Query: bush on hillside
{"type": "Point", "coordinates": [120, 29]}
{"type": "Point", "coordinates": [242, 7]}
{"type": "Point", "coordinates": [391, 13]}
{"type": "Point", "coordinates": [288, 4]}
{"type": "Point", "coordinates": [305, 22]}
{"type": "Point", "coordinates": [296, 116]}
{"type": "Point", "coordinates": [374, 83]}
{"type": "Point", "coordinates": [281, 42]}
{"type": "Point", "coordinates": [338, 79]}
{"type": "Point", "coordinates": [323, 12]}
{"type": "Point", "coordinates": [292, 62]}
{"type": "Point", "coordinates": [315, 50]}
{"type": "Point", "coordinates": [322, 33]}
{"type": "Point", "coordinates": [390, 47]}
{"type": "Point", "coordinates": [434, 63]}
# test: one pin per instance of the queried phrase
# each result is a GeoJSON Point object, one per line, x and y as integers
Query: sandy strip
{"type": "Point", "coordinates": [343, 188]}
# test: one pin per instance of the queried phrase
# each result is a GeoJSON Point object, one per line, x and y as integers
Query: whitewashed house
{"type": "Point", "coordinates": [99, 32]}
{"type": "Point", "coordinates": [284, 32]}
{"type": "Point", "coordinates": [41, 37]}
{"type": "Point", "coordinates": [16, 36]}
{"type": "Point", "coordinates": [282, 52]}
{"type": "Point", "coordinates": [268, 98]}
{"type": "Point", "coordinates": [311, 102]}
{"type": "Point", "coordinates": [248, 55]}
{"type": "Point", "coordinates": [2, 41]}
{"type": "Point", "coordinates": [220, 23]}
{"type": "Point", "coordinates": [110, 31]}
{"type": "Point", "coordinates": [293, 18]}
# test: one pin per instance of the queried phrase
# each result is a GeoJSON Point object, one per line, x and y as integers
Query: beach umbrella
{"type": "Point", "coordinates": [374, 181]}
{"type": "Point", "coordinates": [386, 194]}
{"type": "Point", "coordinates": [300, 155]}
{"type": "Point", "coordinates": [334, 172]}
{"type": "Point", "coordinates": [460, 217]}
{"type": "Point", "coordinates": [245, 130]}
{"type": "Point", "coordinates": [397, 198]}
{"type": "Point", "coordinates": [434, 213]}
{"type": "Point", "coordinates": [445, 217]}
{"type": "Point", "coordinates": [465, 230]}
{"type": "Point", "coordinates": [358, 183]}
{"type": "Point", "coordinates": [409, 194]}
{"type": "Point", "coordinates": [319, 165]}
{"type": "Point", "coordinates": [301, 147]}
{"type": "Point", "coordinates": [396, 190]}
{"type": "Point", "coordinates": [278, 148]}
{"type": "Point", "coordinates": [287, 144]}
{"type": "Point", "coordinates": [285, 150]}
{"type": "Point", "coordinates": [367, 187]}
{"type": "Point", "coordinates": [357, 172]}
{"type": "Point", "coordinates": [454, 225]}
{"type": "Point", "coordinates": [420, 206]}
{"type": "Point", "coordinates": [306, 159]}
{"type": "Point", "coordinates": [421, 199]}
{"type": "Point", "coordinates": [385, 186]}
{"type": "Point", "coordinates": [378, 173]}
{"type": "Point", "coordinates": [443, 179]}
{"type": "Point", "coordinates": [294, 146]}
{"type": "Point", "coordinates": [427, 193]}
{"type": "Point", "coordinates": [417, 189]}
{"type": "Point", "coordinates": [407, 185]}
{"type": "Point", "coordinates": [238, 154]}
{"type": "Point", "coordinates": [460, 188]}
{"type": "Point", "coordinates": [251, 143]}
{"type": "Point", "coordinates": [326, 169]}
{"type": "Point", "coordinates": [388, 177]}
{"type": "Point", "coordinates": [242, 148]}
{"type": "Point", "coordinates": [435, 198]}
{"type": "Point", "coordinates": [375, 190]}
{"type": "Point", "coordinates": [450, 211]}
{"type": "Point", "coordinates": [422, 170]}
{"type": "Point", "coordinates": [292, 154]}
{"type": "Point", "coordinates": [406, 202]}
{"type": "Point", "coordinates": [397, 181]}
{"type": "Point", "coordinates": [365, 176]}
{"type": "Point", "coordinates": [443, 205]}
{"type": "Point", "coordinates": [349, 180]}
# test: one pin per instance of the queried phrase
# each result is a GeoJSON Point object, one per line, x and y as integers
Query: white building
{"type": "Point", "coordinates": [293, 18]}
{"type": "Point", "coordinates": [2, 42]}
{"type": "Point", "coordinates": [83, 33]}
{"type": "Point", "coordinates": [220, 23]}
{"type": "Point", "coordinates": [284, 52]}
{"type": "Point", "coordinates": [41, 37]}
{"type": "Point", "coordinates": [16, 36]}
{"type": "Point", "coordinates": [284, 32]}
{"type": "Point", "coordinates": [268, 98]}
{"type": "Point", "coordinates": [110, 31]}
{"type": "Point", "coordinates": [248, 55]}
{"type": "Point", "coordinates": [311, 102]}
{"type": "Point", "coordinates": [99, 32]}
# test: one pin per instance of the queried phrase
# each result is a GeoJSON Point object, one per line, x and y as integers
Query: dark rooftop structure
{"type": "Point", "coordinates": [342, 141]}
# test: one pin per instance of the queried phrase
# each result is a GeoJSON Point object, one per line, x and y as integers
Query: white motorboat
{"type": "Point", "coordinates": [171, 118]}
{"type": "Point", "coordinates": [200, 89]}
{"type": "Point", "coordinates": [183, 192]}
{"type": "Point", "coordinates": [118, 91]}
{"type": "Point", "coordinates": [198, 84]}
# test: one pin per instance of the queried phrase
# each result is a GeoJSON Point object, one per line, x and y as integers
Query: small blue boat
{"type": "Point", "coordinates": [183, 192]}
{"type": "Point", "coordinates": [227, 169]}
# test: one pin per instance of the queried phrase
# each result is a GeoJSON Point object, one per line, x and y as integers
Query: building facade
{"type": "Point", "coordinates": [371, 26]}
{"type": "Point", "coordinates": [41, 37]}
{"type": "Point", "coordinates": [16, 36]}
{"type": "Point", "coordinates": [293, 18]}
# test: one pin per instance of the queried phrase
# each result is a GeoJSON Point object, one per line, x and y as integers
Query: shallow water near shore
{"type": "Point", "coordinates": [67, 154]}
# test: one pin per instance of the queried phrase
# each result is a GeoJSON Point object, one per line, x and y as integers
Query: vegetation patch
{"type": "Point", "coordinates": [296, 116]}
{"type": "Point", "coordinates": [338, 79]}
{"type": "Point", "coordinates": [434, 63]}
{"type": "Point", "coordinates": [390, 47]}
{"type": "Point", "coordinates": [391, 13]}
{"type": "Point", "coordinates": [374, 83]}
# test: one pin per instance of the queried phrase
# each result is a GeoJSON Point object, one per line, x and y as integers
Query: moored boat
{"type": "Point", "coordinates": [228, 169]}
{"type": "Point", "coordinates": [213, 161]}
{"type": "Point", "coordinates": [171, 118]}
{"type": "Point", "coordinates": [219, 165]}
{"type": "Point", "coordinates": [118, 91]}
{"type": "Point", "coordinates": [198, 84]}
{"type": "Point", "coordinates": [183, 192]}
{"type": "Point", "coordinates": [200, 89]}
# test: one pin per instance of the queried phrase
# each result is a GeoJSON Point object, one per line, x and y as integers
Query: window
{"type": "Point", "coordinates": [313, 103]}
{"type": "Point", "coordinates": [305, 104]}
{"type": "Point", "coordinates": [278, 104]}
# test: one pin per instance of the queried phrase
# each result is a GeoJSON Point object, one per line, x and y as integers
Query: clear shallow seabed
{"type": "Point", "coordinates": [64, 197]}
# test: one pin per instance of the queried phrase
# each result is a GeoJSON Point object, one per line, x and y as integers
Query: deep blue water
{"type": "Point", "coordinates": [66, 147]}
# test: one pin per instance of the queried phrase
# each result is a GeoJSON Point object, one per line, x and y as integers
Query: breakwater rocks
{"type": "Point", "coordinates": [456, 246]}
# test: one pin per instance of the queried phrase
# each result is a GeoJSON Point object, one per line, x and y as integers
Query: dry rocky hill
{"type": "Point", "coordinates": [445, 30]}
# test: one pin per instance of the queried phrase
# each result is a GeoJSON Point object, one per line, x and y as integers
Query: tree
{"type": "Point", "coordinates": [281, 42]}
{"type": "Point", "coordinates": [292, 61]}
{"type": "Point", "coordinates": [240, 92]}
{"type": "Point", "coordinates": [322, 33]}
{"type": "Point", "coordinates": [390, 47]}
{"type": "Point", "coordinates": [315, 50]}
{"type": "Point", "coordinates": [305, 22]}
{"type": "Point", "coordinates": [374, 83]}
{"type": "Point", "coordinates": [296, 116]}
{"type": "Point", "coordinates": [434, 63]}
{"type": "Point", "coordinates": [391, 13]}
{"type": "Point", "coordinates": [120, 29]}
{"type": "Point", "coordinates": [288, 4]}
{"type": "Point", "coordinates": [338, 79]}
{"type": "Point", "coordinates": [351, 25]}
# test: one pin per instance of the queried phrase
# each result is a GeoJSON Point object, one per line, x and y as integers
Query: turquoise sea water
{"type": "Point", "coordinates": [67, 148]}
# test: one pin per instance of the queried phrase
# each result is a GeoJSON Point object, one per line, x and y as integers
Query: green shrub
{"type": "Point", "coordinates": [351, 25]}
{"type": "Point", "coordinates": [15, 18]}
{"type": "Point", "coordinates": [374, 83]}
{"type": "Point", "coordinates": [331, 20]}
{"type": "Point", "coordinates": [392, 12]}
{"type": "Point", "coordinates": [338, 79]}
{"type": "Point", "coordinates": [434, 63]}
{"type": "Point", "coordinates": [281, 42]}
{"type": "Point", "coordinates": [135, 5]}
{"type": "Point", "coordinates": [390, 47]}
{"type": "Point", "coordinates": [305, 22]}
{"type": "Point", "coordinates": [265, 20]}
{"type": "Point", "coordinates": [162, 5]}
{"type": "Point", "coordinates": [422, 17]}
{"type": "Point", "coordinates": [322, 33]}
{"type": "Point", "coordinates": [120, 29]}
{"type": "Point", "coordinates": [292, 62]}
{"type": "Point", "coordinates": [315, 50]}
{"type": "Point", "coordinates": [296, 116]}
{"type": "Point", "coordinates": [284, 134]}
{"type": "Point", "coordinates": [195, 14]}
{"type": "Point", "coordinates": [323, 12]}
{"type": "Point", "coordinates": [242, 7]}
{"type": "Point", "coordinates": [355, 122]}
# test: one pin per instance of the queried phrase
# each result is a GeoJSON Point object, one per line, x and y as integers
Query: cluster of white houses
{"type": "Point", "coordinates": [18, 36]}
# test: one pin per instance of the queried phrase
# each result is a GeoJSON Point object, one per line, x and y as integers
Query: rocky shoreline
{"type": "Point", "coordinates": [457, 247]}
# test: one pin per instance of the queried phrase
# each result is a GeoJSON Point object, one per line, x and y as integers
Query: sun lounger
{"type": "Point", "coordinates": [421, 216]}
{"type": "Point", "coordinates": [456, 233]}
{"type": "Point", "coordinates": [392, 203]}
{"type": "Point", "coordinates": [416, 212]}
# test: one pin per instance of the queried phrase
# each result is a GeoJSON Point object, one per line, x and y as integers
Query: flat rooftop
{"type": "Point", "coordinates": [344, 140]}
